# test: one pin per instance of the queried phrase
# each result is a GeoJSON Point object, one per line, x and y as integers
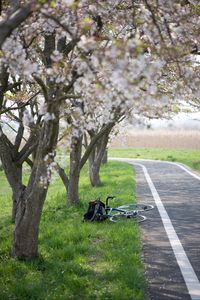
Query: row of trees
{"type": "Point", "coordinates": [84, 65]}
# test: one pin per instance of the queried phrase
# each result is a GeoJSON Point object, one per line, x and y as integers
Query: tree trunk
{"type": "Point", "coordinates": [25, 205]}
{"type": "Point", "coordinates": [25, 241]}
{"type": "Point", "coordinates": [94, 170]}
{"type": "Point", "coordinates": [77, 162]}
{"type": "Point", "coordinates": [96, 158]}
{"type": "Point", "coordinates": [105, 157]}
{"type": "Point", "coordinates": [30, 203]}
{"type": "Point", "coordinates": [75, 168]}
{"type": "Point", "coordinates": [16, 196]}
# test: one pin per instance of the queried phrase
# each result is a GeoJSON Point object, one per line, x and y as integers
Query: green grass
{"type": "Point", "coordinates": [188, 157]}
{"type": "Point", "coordinates": [77, 260]}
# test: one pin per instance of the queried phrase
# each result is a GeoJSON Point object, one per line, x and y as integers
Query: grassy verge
{"type": "Point", "coordinates": [78, 260]}
{"type": "Point", "coordinates": [188, 157]}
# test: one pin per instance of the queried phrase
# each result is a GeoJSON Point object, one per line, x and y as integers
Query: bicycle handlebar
{"type": "Point", "coordinates": [108, 198]}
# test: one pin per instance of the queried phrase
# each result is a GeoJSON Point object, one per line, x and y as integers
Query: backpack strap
{"type": "Point", "coordinates": [97, 205]}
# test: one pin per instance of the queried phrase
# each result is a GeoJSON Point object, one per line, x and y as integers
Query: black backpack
{"type": "Point", "coordinates": [96, 211]}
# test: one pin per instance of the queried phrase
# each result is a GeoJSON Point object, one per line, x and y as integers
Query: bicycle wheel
{"type": "Point", "coordinates": [130, 217]}
{"type": "Point", "coordinates": [136, 207]}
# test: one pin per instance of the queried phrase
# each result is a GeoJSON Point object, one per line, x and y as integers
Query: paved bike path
{"type": "Point", "coordinates": [171, 234]}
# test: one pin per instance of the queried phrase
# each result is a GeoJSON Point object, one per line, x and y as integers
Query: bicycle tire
{"type": "Point", "coordinates": [136, 207]}
{"type": "Point", "coordinates": [130, 218]}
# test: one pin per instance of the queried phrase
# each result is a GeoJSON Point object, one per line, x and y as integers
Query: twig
{"type": "Point", "coordinates": [21, 106]}
{"type": "Point", "coordinates": [58, 23]}
{"type": "Point", "coordinates": [3, 122]}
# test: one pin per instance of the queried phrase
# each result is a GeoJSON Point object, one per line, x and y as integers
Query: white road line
{"type": "Point", "coordinates": [180, 165]}
{"type": "Point", "coordinates": [188, 171]}
{"type": "Point", "coordinates": [191, 280]}
{"type": "Point", "coordinates": [189, 275]}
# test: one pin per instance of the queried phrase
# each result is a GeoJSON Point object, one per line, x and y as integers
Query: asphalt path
{"type": "Point", "coordinates": [171, 233]}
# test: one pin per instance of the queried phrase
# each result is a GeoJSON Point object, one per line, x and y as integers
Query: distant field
{"type": "Point", "coordinates": [178, 139]}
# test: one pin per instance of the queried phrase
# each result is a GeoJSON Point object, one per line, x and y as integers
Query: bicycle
{"type": "Point", "coordinates": [128, 211]}
{"type": "Point", "coordinates": [98, 211]}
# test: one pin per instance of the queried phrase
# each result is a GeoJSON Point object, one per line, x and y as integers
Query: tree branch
{"type": "Point", "coordinates": [103, 145]}
{"type": "Point", "coordinates": [13, 85]}
{"type": "Point", "coordinates": [3, 122]}
{"type": "Point", "coordinates": [154, 20]}
{"type": "Point", "coordinates": [62, 175]}
{"type": "Point", "coordinates": [69, 96]}
{"type": "Point", "coordinates": [94, 140]}
{"type": "Point", "coordinates": [29, 162]}
{"type": "Point", "coordinates": [26, 154]}
{"type": "Point", "coordinates": [20, 132]}
{"type": "Point", "coordinates": [28, 148]}
{"type": "Point", "coordinates": [67, 48]}
{"type": "Point", "coordinates": [7, 26]}
{"type": "Point", "coordinates": [3, 83]}
{"type": "Point", "coordinates": [58, 23]}
{"type": "Point", "coordinates": [21, 106]}
{"type": "Point", "coordinates": [43, 87]}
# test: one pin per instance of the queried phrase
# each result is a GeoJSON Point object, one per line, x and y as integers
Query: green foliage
{"type": "Point", "coordinates": [171, 158]}
{"type": "Point", "coordinates": [188, 157]}
{"type": "Point", "coordinates": [197, 9]}
{"type": "Point", "coordinates": [42, 2]}
{"type": "Point", "coordinates": [52, 4]}
{"type": "Point", "coordinates": [77, 260]}
{"type": "Point", "coordinates": [196, 164]}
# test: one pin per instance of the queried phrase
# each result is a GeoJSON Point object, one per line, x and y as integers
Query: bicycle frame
{"type": "Point", "coordinates": [121, 211]}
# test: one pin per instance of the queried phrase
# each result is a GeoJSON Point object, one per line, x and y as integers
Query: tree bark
{"type": "Point", "coordinates": [95, 159]}
{"type": "Point", "coordinates": [27, 220]}
{"type": "Point", "coordinates": [71, 182]}
{"type": "Point", "coordinates": [27, 201]}
{"type": "Point", "coordinates": [94, 172]}
{"type": "Point", "coordinates": [12, 170]}
{"type": "Point", "coordinates": [30, 203]}
{"type": "Point", "coordinates": [105, 157]}
{"type": "Point", "coordinates": [31, 200]}
{"type": "Point", "coordinates": [3, 82]}
{"type": "Point", "coordinates": [75, 168]}
{"type": "Point", "coordinates": [63, 176]}
{"type": "Point", "coordinates": [7, 26]}
{"type": "Point", "coordinates": [17, 192]}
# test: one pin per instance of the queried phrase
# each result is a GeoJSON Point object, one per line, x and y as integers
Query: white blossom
{"type": "Point", "coordinates": [48, 116]}
{"type": "Point", "coordinates": [56, 56]}
{"type": "Point", "coordinates": [27, 118]}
